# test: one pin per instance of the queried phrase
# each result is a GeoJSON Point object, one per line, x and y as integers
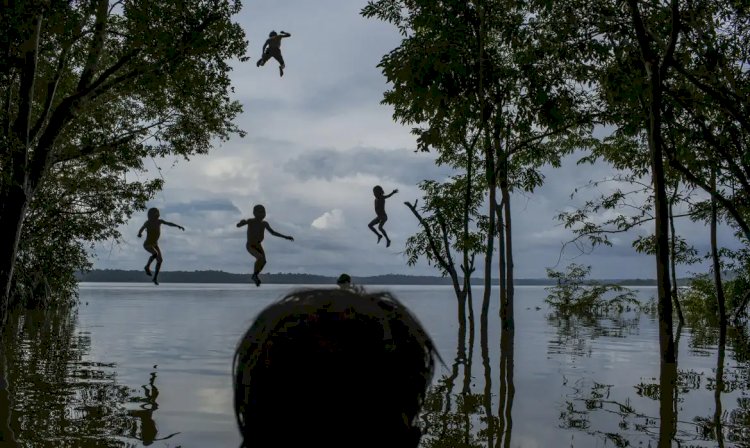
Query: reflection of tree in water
{"type": "Point", "coordinates": [465, 419]}
{"type": "Point", "coordinates": [719, 428]}
{"type": "Point", "coordinates": [57, 399]}
{"type": "Point", "coordinates": [575, 331]}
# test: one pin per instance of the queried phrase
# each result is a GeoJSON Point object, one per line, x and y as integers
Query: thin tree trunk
{"type": "Point", "coordinates": [507, 318]}
{"type": "Point", "coordinates": [673, 249]}
{"type": "Point", "coordinates": [501, 261]}
{"type": "Point", "coordinates": [13, 205]}
{"type": "Point", "coordinates": [468, 267]}
{"type": "Point", "coordinates": [653, 70]}
{"type": "Point", "coordinates": [715, 258]}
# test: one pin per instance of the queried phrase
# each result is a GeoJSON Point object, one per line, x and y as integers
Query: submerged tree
{"type": "Point", "coordinates": [467, 65]}
{"type": "Point", "coordinates": [102, 83]}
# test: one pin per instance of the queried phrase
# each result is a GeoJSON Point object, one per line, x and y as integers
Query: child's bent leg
{"type": "Point", "coordinates": [151, 259]}
{"type": "Point", "coordinates": [372, 227]}
{"type": "Point", "coordinates": [159, 260]}
{"type": "Point", "coordinates": [382, 221]}
{"type": "Point", "coordinates": [278, 57]}
{"type": "Point", "coordinates": [256, 250]}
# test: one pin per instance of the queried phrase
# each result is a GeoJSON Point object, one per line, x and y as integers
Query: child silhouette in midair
{"type": "Point", "coordinates": [272, 49]}
{"type": "Point", "coordinates": [256, 228]}
{"type": "Point", "coordinates": [381, 217]}
{"type": "Point", "coordinates": [153, 231]}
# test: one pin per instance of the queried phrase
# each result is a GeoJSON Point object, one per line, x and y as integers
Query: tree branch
{"type": "Point", "coordinates": [430, 238]}
{"type": "Point", "coordinates": [30, 49]}
{"type": "Point", "coordinates": [51, 90]}
{"type": "Point", "coordinates": [97, 45]}
{"type": "Point", "coordinates": [727, 204]}
{"type": "Point", "coordinates": [717, 95]}
{"type": "Point", "coordinates": [673, 37]}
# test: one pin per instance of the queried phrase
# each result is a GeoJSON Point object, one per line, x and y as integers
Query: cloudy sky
{"type": "Point", "coordinates": [317, 141]}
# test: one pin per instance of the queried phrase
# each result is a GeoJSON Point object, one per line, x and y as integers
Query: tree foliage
{"type": "Point", "coordinates": [89, 89]}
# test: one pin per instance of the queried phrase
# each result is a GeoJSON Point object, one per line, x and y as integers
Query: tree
{"type": "Point", "coordinates": [75, 207]}
{"type": "Point", "coordinates": [459, 67]}
{"type": "Point", "coordinates": [88, 79]}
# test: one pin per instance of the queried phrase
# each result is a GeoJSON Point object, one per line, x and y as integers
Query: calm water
{"type": "Point", "coordinates": [144, 366]}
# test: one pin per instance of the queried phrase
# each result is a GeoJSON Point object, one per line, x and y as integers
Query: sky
{"type": "Point", "coordinates": [317, 142]}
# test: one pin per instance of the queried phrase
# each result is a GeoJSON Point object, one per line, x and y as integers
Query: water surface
{"type": "Point", "coordinates": [139, 365]}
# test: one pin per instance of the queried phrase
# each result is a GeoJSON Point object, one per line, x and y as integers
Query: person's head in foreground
{"type": "Point", "coordinates": [344, 281]}
{"type": "Point", "coordinates": [332, 368]}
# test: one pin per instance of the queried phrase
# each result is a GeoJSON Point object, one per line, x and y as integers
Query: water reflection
{"type": "Point", "coordinates": [683, 415]}
{"type": "Point", "coordinates": [52, 396]}
{"type": "Point", "coordinates": [466, 418]}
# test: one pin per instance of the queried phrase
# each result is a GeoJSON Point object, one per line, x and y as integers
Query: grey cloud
{"type": "Point", "coordinates": [403, 166]}
{"type": "Point", "coordinates": [203, 205]}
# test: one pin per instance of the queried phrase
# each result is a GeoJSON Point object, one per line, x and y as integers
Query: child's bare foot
{"type": "Point", "coordinates": [256, 279]}
{"type": "Point", "coordinates": [148, 270]}
{"type": "Point", "coordinates": [380, 237]}
{"type": "Point", "coordinates": [387, 242]}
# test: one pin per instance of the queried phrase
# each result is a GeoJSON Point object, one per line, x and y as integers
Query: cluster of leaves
{"type": "Point", "coordinates": [104, 86]}
{"type": "Point", "coordinates": [573, 293]}
{"type": "Point", "coordinates": [700, 304]}
{"type": "Point", "coordinates": [74, 209]}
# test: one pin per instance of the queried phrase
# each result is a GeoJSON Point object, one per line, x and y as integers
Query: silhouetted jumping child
{"type": "Point", "coordinates": [381, 217]}
{"type": "Point", "coordinates": [153, 231]}
{"type": "Point", "coordinates": [333, 368]}
{"type": "Point", "coordinates": [256, 228]}
{"type": "Point", "coordinates": [272, 49]}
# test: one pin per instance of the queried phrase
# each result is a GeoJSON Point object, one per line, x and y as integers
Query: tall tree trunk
{"type": "Point", "coordinates": [468, 266]}
{"type": "Point", "coordinates": [501, 261]}
{"type": "Point", "coordinates": [13, 204]}
{"type": "Point", "coordinates": [673, 250]}
{"type": "Point", "coordinates": [715, 257]}
{"type": "Point", "coordinates": [15, 185]}
{"type": "Point", "coordinates": [488, 261]}
{"type": "Point", "coordinates": [507, 318]}
{"type": "Point", "coordinates": [654, 72]}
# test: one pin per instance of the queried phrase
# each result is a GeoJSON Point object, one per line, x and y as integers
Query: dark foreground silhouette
{"type": "Point", "coordinates": [335, 368]}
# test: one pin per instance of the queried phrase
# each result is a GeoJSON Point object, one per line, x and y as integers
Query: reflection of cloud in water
{"type": "Point", "coordinates": [215, 400]}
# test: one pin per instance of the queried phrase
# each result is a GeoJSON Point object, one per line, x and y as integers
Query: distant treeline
{"type": "Point", "coordinates": [116, 275]}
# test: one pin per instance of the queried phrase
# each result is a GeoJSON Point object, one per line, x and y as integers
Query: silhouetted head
{"type": "Point", "coordinates": [335, 368]}
{"type": "Point", "coordinates": [259, 211]}
{"type": "Point", "coordinates": [378, 191]}
{"type": "Point", "coordinates": [272, 34]}
{"type": "Point", "coordinates": [343, 279]}
{"type": "Point", "coordinates": [153, 213]}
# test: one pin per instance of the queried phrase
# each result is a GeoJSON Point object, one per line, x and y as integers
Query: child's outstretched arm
{"type": "Point", "coordinates": [265, 45]}
{"type": "Point", "coordinates": [242, 223]}
{"type": "Point", "coordinates": [172, 225]}
{"type": "Point", "coordinates": [140, 231]}
{"type": "Point", "coordinates": [284, 34]}
{"type": "Point", "coordinates": [275, 233]}
{"type": "Point", "coordinates": [392, 193]}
